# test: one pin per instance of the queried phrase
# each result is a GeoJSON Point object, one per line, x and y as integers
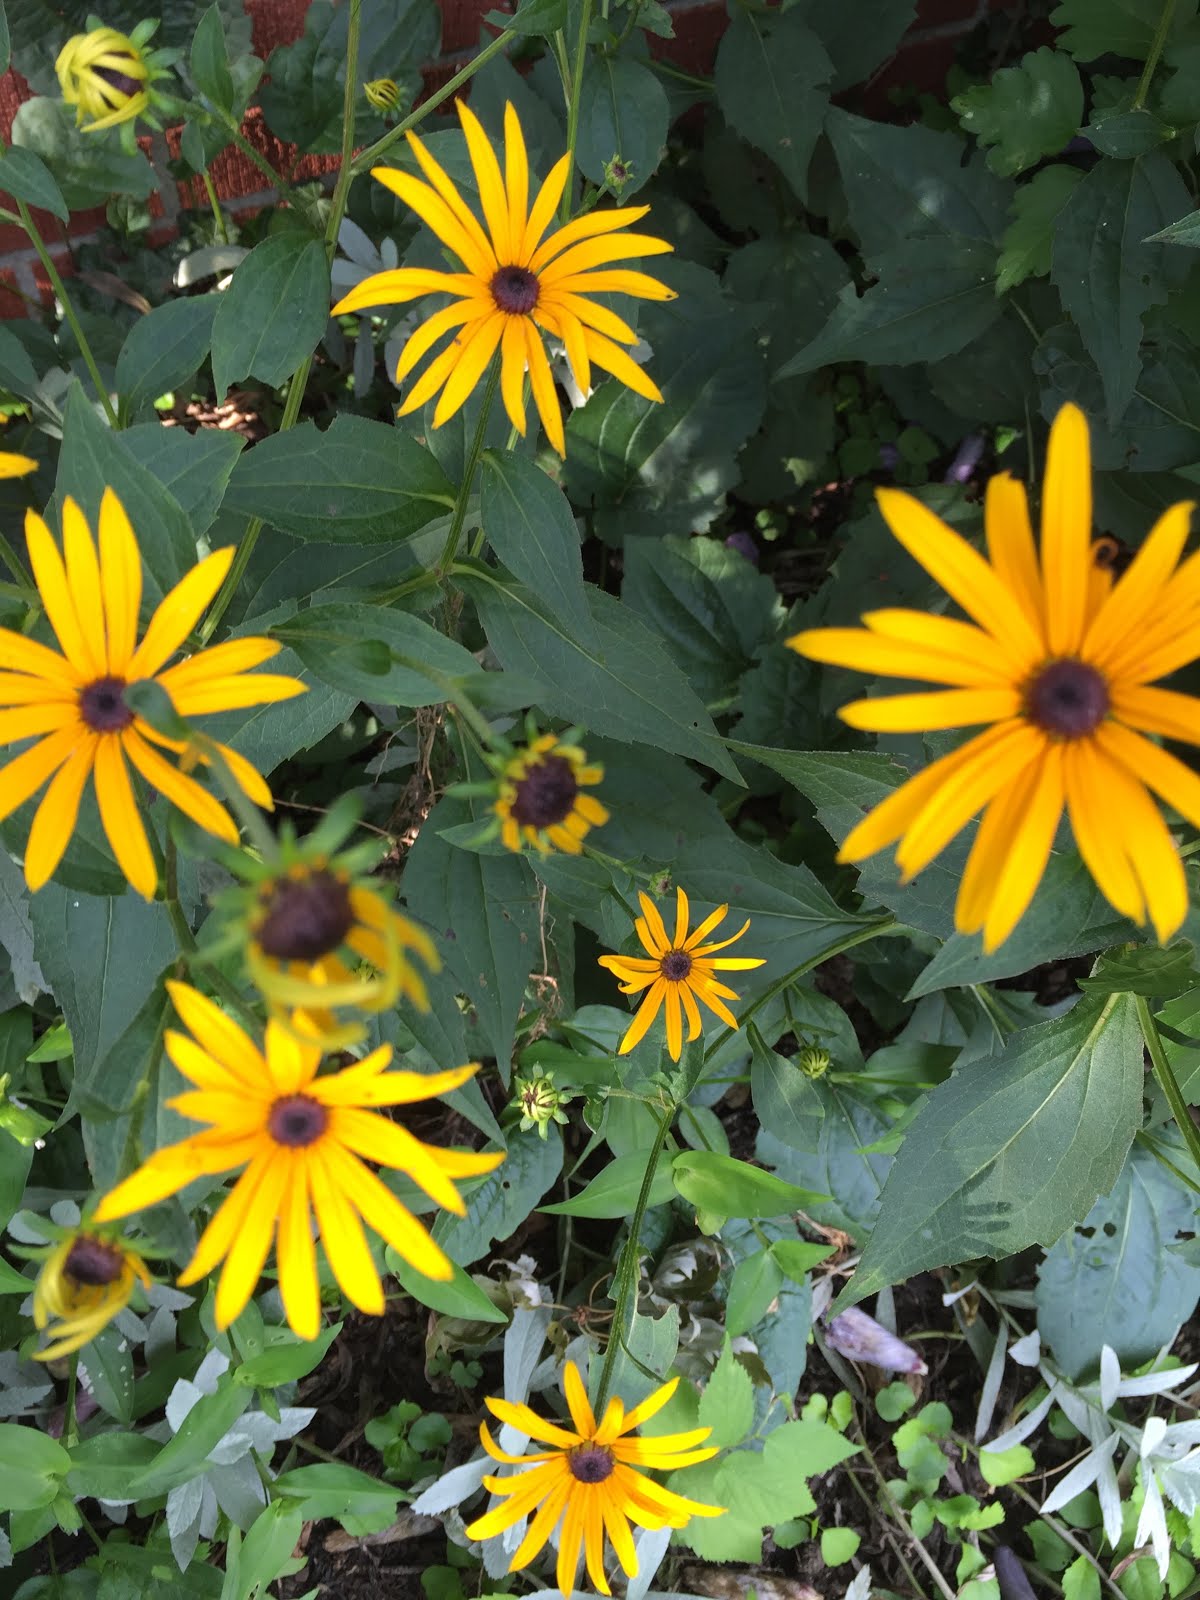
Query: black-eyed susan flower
{"type": "Point", "coordinates": [87, 1278]}
{"type": "Point", "coordinates": [74, 703]}
{"type": "Point", "coordinates": [383, 94]}
{"type": "Point", "coordinates": [589, 1481]}
{"type": "Point", "coordinates": [540, 800]}
{"type": "Point", "coordinates": [1059, 662]}
{"type": "Point", "coordinates": [317, 931]}
{"type": "Point", "coordinates": [109, 77]}
{"type": "Point", "coordinates": [519, 280]}
{"type": "Point", "coordinates": [304, 1142]}
{"type": "Point", "coordinates": [677, 973]}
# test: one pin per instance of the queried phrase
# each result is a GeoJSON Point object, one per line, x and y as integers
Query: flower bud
{"type": "Point", "coordinates": [813, 1061]}
{"type": "Point", "coordinates": [383, 94]}
{"type": "Point", "coordinates": [539, 1103]}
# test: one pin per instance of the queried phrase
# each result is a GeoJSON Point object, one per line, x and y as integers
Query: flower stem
{"type": "Point", "coordinates": [64, 299]}
{"type": "Point", "coordinates": [1156, 50]}
{"type": "Point", "coordinates": [278, 181]}
{"type": "Point", "coordinates": [70, 1433]}
{"type": "Point", "coordinates": [1167, 1080]}
{"type": "Point", "coordinates": [474, 451]}
{"type": "Point", "coordinates": [627, 1267]}
{"type": "Point", "coordinates": [585, 23]}
{"type": "Point", "coordinates": [218, 214]}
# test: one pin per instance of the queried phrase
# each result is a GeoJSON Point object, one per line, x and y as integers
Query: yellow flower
{"type": "Point", "coordinates": [302, 1140]}
{"type": "Point", "coordinates": [516, 280]}
{"type": "Point", "coordinates": [383, 94]}
{"type": "Point", "coordinates": [85, 1280]}
{"type": "Point", "coordinates": [1059, 661]}
{"type": "Point", "coordinates": [588, 1479]}
{"type": "Point", "coordinates": [15, 466]}
{"type": "Point", "coordinates": [74, 702]}
{"type": "Point", "coordinates": [539, 802]}
{"type": "Point", "coordinates": [104, 75]}
{"type": "Point", "coordinates": [679, 971]}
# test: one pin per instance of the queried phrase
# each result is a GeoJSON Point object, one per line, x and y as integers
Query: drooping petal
{"type": "Point", "coordinates": [623, 367]}
{"type": "Point", "coordinates": [182, 791]}
{"type": "Point", "coordinates": [120, 582]}
{"type": "Point", "coordinates": [545, 205]}
{"type": "Point", "coordinates": [541, 381]}
{"type": "Point", "coordinates": [50, 575]}
{"type": "Point", "coordinates": [388, 1144]}
{"type": "Point", "coordinates": [1088, 777]}
{"type": "Point", "coordinates": [297, 1256]}
{"type": "Point", "coordinates": [382, 1211]}
{"type": "Point", "coordinates": [512, 380]}
{"type": "Point", "coordinates": [1028, 851]}
{"type": "Point", "coordinates": [476, 349]}
{"type": "Point", "coordinates": [251, 1244]}
{"type": "Point", "coordinates": [82, 567]}
{"type": "Point", "coordinates": [345, 1243]}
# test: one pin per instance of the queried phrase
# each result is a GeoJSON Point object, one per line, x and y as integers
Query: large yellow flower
{"type": "Point", "coordinates": [303, 1141]}
{"type": "Point", "coordinates": [539, 800]}
{"type": "Point", "coordinates": [588, 1480]}
{"type": "Point", "coordinates": [74, 702]}
{"type": "Point", "coordinates": [85, 1280]}
{"type": "Point", "coordinates": [517, 280]}
{"type": "Point", "coordinates": [1059, 662]}
{"type": "Point", "coordinates": [679, 972]}
{"type": "Point", "coordinates": [104, 75]}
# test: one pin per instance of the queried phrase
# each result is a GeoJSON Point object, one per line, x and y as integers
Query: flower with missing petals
{"type": "Point", "coordinates": [1058, 663]}
{"type": "Point", "coordinates": [540, 802]}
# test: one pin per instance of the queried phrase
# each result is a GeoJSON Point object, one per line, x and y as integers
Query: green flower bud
{"type": "Point", "coordinates": [813, 1061]}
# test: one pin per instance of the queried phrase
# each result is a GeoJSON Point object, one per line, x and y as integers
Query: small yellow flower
{"type": "Point", "coordinates": [539, 801]}
{"type": "Point", "coordinates": [588, 1481]}
{"type": "Point", "coordinates": [85, 1280]}
{"type": "Point", "coordinates": [74, 702]}
{"type": "Point", "coordinates": [383, 94]}
{"type": "Point", "coordinates": [679, 972]}
{"type": "Point", "coordinates": [518, 282]}
{"type": "Point", "coordinates": [104, 75]}
{"type": "Point", "coordinates": [303, 1141]}
{"type": "Point", "coordinates": [1059, 662]}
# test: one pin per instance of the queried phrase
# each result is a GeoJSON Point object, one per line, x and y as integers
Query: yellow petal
{"type": "Point", "coordinates": [82, 566]}
{"type": "Point", "coordinates": [297, 1256]}
{"type": "Point", "coordinates": [1010, 545]}
{"type": "Point", "coordinates": [1178, 785]}
{"type": "Point", "coordinates": [441, 180]}
{"type": "Point", "coordinates": [56, 816]}
{"type": "Point", "coordinates": [251, 1244]}
{"type": "Point", "coordinates": [542, 211]}
{"type": "Point", "coordinates": [382, 1211]}
{"type": "Point", "coordinates": [1028, 852]}
{"type": "Point", "coordinates": [1089, 779]}
{"type": "Point", "coordinates": [219, 1035]}
{"type": "Point", "coordinates": [1161, 711]}
{"type": "Point", "coordinates": [545, 397]}
{"type": "Point", "coordinates": [516, 181]}
{"type": "Point", "coordinates": [50, 575]}
{"type": "Point", "coordinates": [179, 612]}
{"type": "Point", "coordinates": [512, 389]}
{"type": "Point", "coordinates": [121, 818]}
{"type": "Point", "coordinates": [589, 226]}
{"type": "Point", "coordinates": [342, 1235]}
{"type": "Point", "coordinates": [1067, 530]}
{"type": "Point", "coordinates": [402, 284]}
{"type": "Point", "coordinates": [491, 186]}
{"type": "Point", "coordinates": [613, 359]}
{"type": "Point", "coordinates": [965, 792]}
{"type": "Point", "coordinates": [919, 713]}
{"type": "Point", "coordinates": [480, 261]}
{"type": "Point", "coordinates": [578, 1404]}
{"type": "Point", "coordinates": [1135, 596]}
{"type": "Point", "coordinates": [432, 329]}
{"type": "Point", "coordinates": [178, 788]}
{"type": "Point", "coordinates": [476, 349]}
{"type": "Point", "coordinates": [388, 1144]}
{"type": "Point", "coordinates": [120, 582]}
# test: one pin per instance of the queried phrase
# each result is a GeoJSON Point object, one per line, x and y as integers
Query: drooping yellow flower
{"type": "Point", "coordinates": [1059, 662]}
{"type": "Point", "coordinates": [517, 282]}
{"type": "Point", "coordinates": [15, 466]}
{"type": "Point", "coordinates": [85, 1280]}
{"type": "Point", "coordinates": [104, 75]}
{"type": "Point", "coordinates": [539, 800]}
{"type": "Point", "coordinates": [74, 702]}
{"type": "Point", "coordinates": [679, 972]}
{"type": "Point", "coordinates": [588, 1480]}
{"type": "Point", "coordinates": [304, 1141]}
{"type": "Point", "coordinates": [383, 94]}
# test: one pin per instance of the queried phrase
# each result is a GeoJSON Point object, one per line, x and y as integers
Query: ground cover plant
{"type": "Point", "coordinates": [599, 982]}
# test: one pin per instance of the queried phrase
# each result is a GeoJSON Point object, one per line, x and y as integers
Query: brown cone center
{"type": "Point", "coordinates": [121, 81]}
{"type": "Point", "coordinates": [591, 1464]}
{"type": "Point", "coordinates": [546, 793]}
{"type": "Point", "coordinates": [1068, 698]}
{"type": "Point", "coordinates": [91, 1263]}
{"type": "Point", "coordinates": [102, 705]}
{"type": "Point", "coordinates": [296, 1120]}
{"type": "Point", "coordinates": [515, 290]}
{"type": "Point", "coordinates": [307, 918]}
{"type": "Point", "coordinates": [676, 965]}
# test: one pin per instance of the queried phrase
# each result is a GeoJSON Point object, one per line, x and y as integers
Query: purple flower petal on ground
{"type": "Point", "coordinates": [860, 1338]}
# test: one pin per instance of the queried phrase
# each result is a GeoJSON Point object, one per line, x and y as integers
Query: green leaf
{"type": "Point", "coordinates": [1144, 969]}
{"type": "Point", "coordinates": [12, 1281]}
{"type": "Point", "coordinates": [1126, 134]}
{"type": "Point", "coordinates": [209, 61]}
{"type": "Point", "coordinates": [504, 1199]}
{"type": "Point", "coordinates": [5, 41]}
{"type": "Point", "coordinates": [732, 1188]}
{"type": "Point", "coordinates": [1116, 1278]}
{"type": "Point", "coordinates": [839, 1545]}
{"type": "Point", "coordinates": [165, 349]}
{"type": "Point", "coordinates": [26, 177]}
{"type": "Point", "coordinates": [529, 524]}
{"type": "Point", "coordinates": [1025, 112]}
{"type": "Point", "coordinates": [102, 1465]}
{"type": "Point", "coordinates": [755, 1283]}
{"type": "Point", "coordinates": [1081, 1581]}
{"type": "Point", "coordinates": [32, 1466]}
{"type": "Point", "coordinates": [614, 1191]}
{"type": "Point", "coordinates": [186, 1455]}
{"type": "Point", "coordinates": [359, 482]}
{"type": "Point", "coordinates": [412, 665]}
{"type": "Point", "coordinates": [797, 1259]}
{"type": "Point", "coordinates": [843, 1166]}
{"type": "Point", "coordinates": [623, 110]}
{"type": "Point", "coordinates": [273, 313]}
{"type": "Point", "coordinates": [110, 1372]}
{"type": "Point", "coordinates": [854, 50]}
{"type": "Point", "coordinates": [460, 1297]}
{"type": "Point", "coordinates": [329, 1489]}
{"type": "Point", "coordinates": [89, 168]}
{"type": "Point", "coordinates": [533, 18]}
{"type": "Point", "coordinates": [1001, 1467]}
{"type": "Point", "coordinates": [267, 1548]}
{"type": "Point", "coordinates": [1029, 238]}
{"type": "Point", "coordinates": [1126, 28]}
{"type": "Point", "coordinates": [771, 76]}
{"type": "Point", "coordinates": [933, 296]}
{"type": "Point", "coordinates": [646, 1356]}
{"type": "Point", "coordinates": [194, 467]}
{"type": "Point", "coordinates": [628, 688]}
{"type": "Point", "coordinates": [1106, 273]}
{"type": "Point", "coordinates": [1061, 1100]}
{"type": "Point", "coordinates": [727, 1403]}
{"type": "Point", "coordinates": [784, 1099]}
{"type": "Point", "coordinates": [285, 1362]}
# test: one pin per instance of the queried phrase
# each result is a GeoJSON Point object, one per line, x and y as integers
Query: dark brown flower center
{"type": "Point", "coordinates": [675, 965]}
{"type": "Point", "coordinates": [91, 1263]}
{"type": "Point", "coordinates": [306, 918]}
{"type": "Point", "coordinates": [546, 793]}
{"type": "Point", "coordinates": [102, 705]}
{"type": "Point", "coordinates": [121, 81]}
{"type": "Point", "coordinates": [1067, 698]}
{"type": "Point", "coordinates": [591, 1464]}
{"type": "Point", "coordinates": [296, 1120]}
{"type": "Point", "coordinates": [515, 290]}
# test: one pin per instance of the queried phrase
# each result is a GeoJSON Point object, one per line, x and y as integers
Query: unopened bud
{"type": "Point", "coordinates": [383, 94]}
{"type": "Point", "coordinates": [539, 1103]}
{"type": "Point", "coordinates": [617, 174]}
{"type": "Point", "coordinates": [813, 1061]}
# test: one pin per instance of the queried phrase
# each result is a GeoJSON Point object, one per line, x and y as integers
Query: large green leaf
{"type": "Point", "coordinates": [1011, 1151]}
{"type": "Point", "coordinates": [1094, 28]}
{"type": "Point", "coordinates": [26, 177]}
{"type": "Point", "coordinates": [1029, 238]}
{"type": "Point", "coordinates": [623, 111]}
{"type": "Point", "coordinates": [770, 75]}
{"type": "Point", "coordinates": [854, 50]}
{"type": "Point", "coordinates": [273, 313]}
{"type": "Point", "coordinates": [496, 1209]}
{"type": "Point", "coordinates": [1106, 273]}
{"type": "Point", "coordinates": [165, 349]}
{"type": "Point", "coordinates": [840, 1166]}
{"type": "Point", "coordinates": [357, 483]}
{"type": "Point", "coordinates": [629, 687]}
{"type": "Point", "coordinates": [88, 168]}
{"type": "Point", "coordinates": [414, 664]}
{"type": "Point", "coordinates": [193, 467]}
{"type": "Point", "coordinates": [1026, 111]}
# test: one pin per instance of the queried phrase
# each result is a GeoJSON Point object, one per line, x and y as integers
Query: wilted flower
{"type": "Point", "coordinates": [85, 1280]}
{"type": "Point", "coordinates": [857, 1336]}
{"type": "Point", "coordinates": [109, 77]}
{"type": "Point", "coordinates": [383, 94]}
{"type": "Point", "coordinates": [539, 800]}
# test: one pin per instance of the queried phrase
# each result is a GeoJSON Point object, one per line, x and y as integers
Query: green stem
{"type": "Point", "coordinates": [627, 1267]}
{"type": "Point", "coordinates": [278, 181]}
{"type": "Point", "coordinates": [218, 214]}
{"type": "Point", "coordinates": [295, 395]}
{"type": "Point", "coordinates": [24, 584]}
{"type": "Point", "coordinates": [70, 1435]}
{"type": "Point", "coordinates": [585, 23]}
{"type": "Point", "coordinates": [1166, 1078]}
{"type": "Point", "coordinates": [1156, 50]}
{"type": "Point", "coordinates": [64, 299]}
{"type": "Point", "coordinates": [365, 159]}
{"type": "Point", "coordinates": [475, 450]}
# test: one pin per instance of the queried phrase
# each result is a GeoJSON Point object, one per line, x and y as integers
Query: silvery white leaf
{"type": "Point", "coordinates": [822, 1297]}
{"type": "Point", "coordinates": [1156, 1382]}
{"type": "Point", "coordinates": [1152, 1436]}
{"type": "Point", "coordinates": [1020, 1431]}
{"type": "Point", "coordinates": [115, 1510]}
{"type": "Point", "coordinates": [214, 1366]}
{"type": "Point", "coordinates": [1108, 1493]}
{"type": "Point", "coordinates": [162, 1294]}
{"type": "Point", "coordinates": [860, 1586]}
{"type": "Point", "coordinates": [209, 1510]}
{"type": "Point", "coordinates": [130, 1325]}
{"type": "Point", "coordinates": [208, 262]}
{"type": "Point", "coordinates": [1152, 1525]}
{"type": "Point", "coordinates": [160, 1335]}
{"type": "Point", "coordinates": [65, 1213]}
{"type": "Point", "coordinates": [498, 1550]}
{"type": "Point", "coordinates": [1110, 1376]}
{"type": "Point", "coordinates": [651, 1546]}
{"type": "Point", "coordinates": [27, 1227]}
{"type": "Point", "coordinates": [523, 1343]}
{"type": "Point", "coordinates": [1090, 1420]}
{"type": "Point", "coordinates": [452, 1488]}
{"type": "Point", "coordinates": [343, 275]}
{"type": "Point", "coordinates": [16, 931]}
{"type": "Point", "coordinates": [1179, 1437]}
{"type": "Point", "coordinates": [16, 1401]}
{"type": "Point", "coordinates": [1181, 1483]}
{"type": "Point", "coordinates": [1082, 1476]}
{"type": "Point", "coordinates": [183, 1520]}
{"type": "Point", "coordinates": [254, 1430]}
{"type": "Point", "coordinates": [5, 1550]}
{"type": "Point", "coordinates": [180, 1401]}
{"type": "Point", "coordinates": [389, 254]}
{"type": "Point", "coordinates": [990, 1392]}
{"type": "Point", "coordinates": [957, 1294]}
{"type": "Point", "coordinates": [357, 245]}
{"type": "Point", "coordinates": [1027, 1352]}
{"type": "Point", "coordinates": [239, 1491]}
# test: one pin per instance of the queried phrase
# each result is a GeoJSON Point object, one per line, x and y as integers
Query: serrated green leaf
{"type": "Point", "coordinates": [784, 1099]}
{"type": "Point", "coordinates": [419, 664]}
{"type": "Point", "coordinates": [504, 1199]}
{"type": "Point", "coordinates": [1126, 28]}
{"type": "Point", "coordinates": [529, 524]}
{"type": "Point", "coordinates": [1061, 1100]}
{"type": "Point", "coordinates": [1029, 237]}
{"type": "Point", "coordinates": [273, 313]}
{"type": "Point", "coordinates": [770, 77]}
{"type": "Point", "coordinates": [727, 1401]}
{"type": "Point", "coordinates": [1024, 112]}
{"type": "Point", "coordinates": [854, 50]}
